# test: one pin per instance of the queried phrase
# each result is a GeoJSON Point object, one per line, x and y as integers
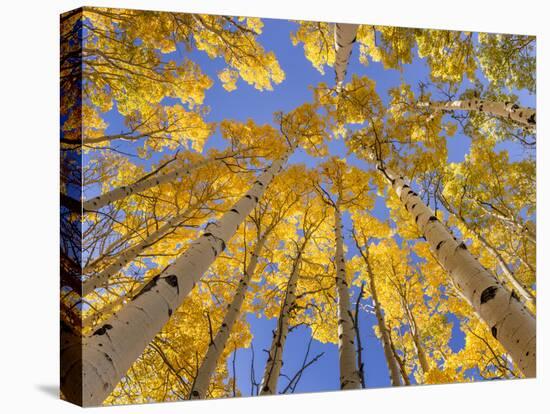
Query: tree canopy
{"type": "Point", "coordinates": [236, 199]}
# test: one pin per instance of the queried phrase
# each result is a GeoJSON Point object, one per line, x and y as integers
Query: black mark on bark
{"type": "Point", "coordinates": [488, 294]}
{"type": "Point", "coordinates": [150, 285]}
{"type": "Point", "coordinates": [103, 330]}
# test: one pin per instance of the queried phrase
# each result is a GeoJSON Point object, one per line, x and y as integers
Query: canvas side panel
{"type": "Point", "coordinates": [71, 204]}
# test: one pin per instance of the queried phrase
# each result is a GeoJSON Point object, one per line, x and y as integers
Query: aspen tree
{"type": "Point", "coordinates": [508, 319]}
{"type": "Point", "coordinates": [384, 333]}
{"type": "Point", "coordinates": [111, 349]}
{"type": "Point", "coordinates": [311, 221]}
{"type": "Point", "coordinates": [347, 191]}
{"type": "Point", "coordinates": [161, 175]}
{"type": "Point", "coordinates": [266, 217]}
{"type": "Point", "coordinates": [274, 362]}
{"type": "Point", "coordinates": [349, 374]}
{"type": "Point", "coordinates": [219, 341]}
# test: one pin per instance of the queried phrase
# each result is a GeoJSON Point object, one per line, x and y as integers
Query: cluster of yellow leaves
{"type": "Point", "coordinates": [306, 126]}
{"type": "Point", "coordinates": [442, 376]}
{"type": "Point", "coordinates": [482, 353]}
{"type": "Point", "coordinates": [234, 39]}
{"type": "Point", "coordinates": [125, 62]}
{"type": "Point", "coordinates": [357, 103]}
{"type": "Point", "coordinates": [451, 55]}
{"type": "Point", "coordinates": [117, 68]}
{"type": "Point", "coordinates": [405, 225]}
{"type": "Point", "coordinates": [318, 40]}
{"type": "Point", "coordinates": [508, 60]}
{"type": "Point", "coordinates": [229, 78]}
{"type": "Point", "coordinates": [349, 184]}
{"type": "Point", "coordinates": [425, 135]}
{"type": "Point", "coordinates": [92, 124]}
{"type": "Point", "coordinates": [254, 141]}
{"type": "Point", "coordinates": [392, 46]}
{"type": "Point", "coordinates": [370, 225]}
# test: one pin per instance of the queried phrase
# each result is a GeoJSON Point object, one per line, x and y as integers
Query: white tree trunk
{"type": "Point", "coordinates": [393, 367]}
{"type": "Point", "coordinates": [110, 351]}
{"type": "Point", "coordinates": [344, 37]}
{"type": "Point", "coordinates": [510, 110]}
{"type": "Point", "coordinates": [217, 345]}
{"type": "Point", "coordinates": [139, 186]}
{"type": "Point", "coordinates": [275, 356]}
{"type": "Point", "coordinates": [101, 279]}
{"type": "Point", "coordinates": [349, 374]}
{"type": "Point", "coordinates": [508, 319]}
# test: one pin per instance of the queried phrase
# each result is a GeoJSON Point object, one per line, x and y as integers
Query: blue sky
{"type": "Point", "coordinates": [245, 103]}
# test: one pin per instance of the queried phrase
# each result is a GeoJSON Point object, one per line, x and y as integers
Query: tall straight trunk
{"type": "Point", "coordinates": [349, 374]}
{"type": "Point", "coordinates": [509, 110]}
{"type": "Point", "coordinates": [508, 319]}
{"type": "Point", "coordinates": [527, 229]}
{"type": "Point", "coordinates": [143, 184]}
{"type": "Point", "coordinates": [415, 334]}
{"type": "Point", "coordinates": [111, 350]}
{"type": "Point", "coordinates": [393, 367]}
{"type": "Point", "coordinates": [218, 343]}
{"type": "Point", "coordinates": [344, 38]}
{"type": "Point", "coordinates": [275, 357]}
{"type": "Point", "coordinates": [102, 278]}
{"type": "Point", "coordinates": [508, 273]}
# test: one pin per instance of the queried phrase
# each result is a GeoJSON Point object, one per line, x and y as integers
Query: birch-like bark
{"type": "Point", "coordinates": [102, 278]}
{"type": "Point", "coordinates": [349, 374]}
{"type": "Point", "coordinates": [393, 367]}
{"type": "Point", "coordinates": [110, 351]}
{"type": "Point", "coordinates": [508, 319]}
{"type": "Point", "coordinates": [139, 186]}
{"type": "Point", "coordinates": [217, 345]}
{"type": "Point", "coordinates": [506, 270]}
{"type": "Point", "coordinates": [275, 357]}
{"type": "Point", "coordinates": [344, 38]}
{"type": "Point", "coordinates": [509, 110]}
